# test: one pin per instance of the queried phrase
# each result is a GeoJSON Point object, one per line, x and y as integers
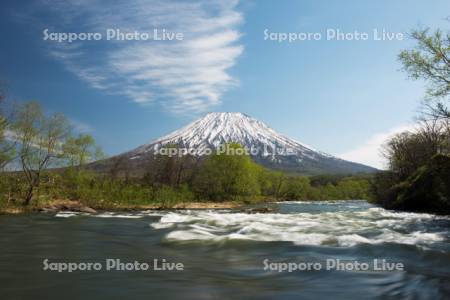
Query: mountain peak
{"type": "Point", "coordinates": [234, 113]}
{"type": "Point", "coordinates": [226, 116]}
{"type": "Point", "coordinates": [267, 146]}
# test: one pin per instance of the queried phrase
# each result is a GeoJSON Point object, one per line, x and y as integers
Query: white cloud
{"type": "Point", "coordinates": [80, 126]}
{"type": "Point", "coordinates": [369, 152]}
{"type": "Point", "coordinates": [183, 76]}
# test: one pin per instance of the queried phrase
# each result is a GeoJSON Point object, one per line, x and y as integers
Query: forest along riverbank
{"type": "Point", "coordinates": [225, 252]}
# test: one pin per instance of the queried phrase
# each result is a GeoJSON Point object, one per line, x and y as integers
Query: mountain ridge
{"type": "Point", "coordinates": [265, 145]}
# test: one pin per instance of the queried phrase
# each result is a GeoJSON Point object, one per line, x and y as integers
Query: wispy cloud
{"type": "Point", "coordinates": [183, 76]}
{"type": "Point", "coordinates": [80, 126]}
{"type": "Point", "coordinates": [369, 152]}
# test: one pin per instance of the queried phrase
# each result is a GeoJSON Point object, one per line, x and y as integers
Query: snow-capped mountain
{"type": "Point", "coordinates": [265, 145]}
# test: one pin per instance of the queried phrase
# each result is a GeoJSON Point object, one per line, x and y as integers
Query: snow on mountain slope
{"type": "Point", "coordinates": [216, 129]}
{"type": "Point", "coordinates": [266, 146]}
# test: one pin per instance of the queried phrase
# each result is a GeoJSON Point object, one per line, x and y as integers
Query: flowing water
{"type": "Point", "coordinates": [228, 254]}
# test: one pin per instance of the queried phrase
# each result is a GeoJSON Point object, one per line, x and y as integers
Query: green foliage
{"type": "Point", "coordinates": [413, 172]}
{"type": "Point", "coordinates": [167, 197]}
{"type": "Point", "coordinates": [296, 188]}
{"type": "Point", "coordinates": [272, 183]}
{"type": "Point", "coordinates": [430, 61]}
{"type": "Point", "coordinates": [228, 177]}
{"type": "Point", "coordinates": [45, 141]}
{"type": "Point", "coordinates": [80, 150]}
{"type": "Point", "coordinates": [39, 140]}
{"type": "Point", "coordinates": [7, 149]}
{"type": "Point", "coordinates": [12, 187]}
{"type": "Point", "coordinates": [42, 142]}
{"type": "Point", "coordinates": [426, 189]}
{"type": "Point", "coordinates": [429, 187]}
{"type": "Point", "coordinates": [220, 177]}
{"type": "Point", "coordinates": [418, 175]}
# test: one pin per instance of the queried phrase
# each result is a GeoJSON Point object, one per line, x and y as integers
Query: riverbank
{"type": "Point", "coordinates": [77, 206]}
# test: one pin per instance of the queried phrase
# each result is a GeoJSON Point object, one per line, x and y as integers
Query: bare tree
{"type": "Point", "coordinates": [119, 167]}
{"type": "Point", "coordinates": [435, 133]}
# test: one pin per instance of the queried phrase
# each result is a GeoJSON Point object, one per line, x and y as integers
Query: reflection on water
{"type": "Point", "coordinates": [223, 253]}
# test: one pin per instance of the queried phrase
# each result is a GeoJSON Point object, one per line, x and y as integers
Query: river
{"type": "Point", "coordinates": [228, 254]}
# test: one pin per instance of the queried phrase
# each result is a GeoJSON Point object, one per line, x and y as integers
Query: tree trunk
{"type": "Point", "coordinates": [29, 195]}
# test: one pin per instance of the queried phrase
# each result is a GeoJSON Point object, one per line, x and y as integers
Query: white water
{"type": "Point", "coordinates": [303, 223]}
{"type": "Point", "coordinates": [340, 228]}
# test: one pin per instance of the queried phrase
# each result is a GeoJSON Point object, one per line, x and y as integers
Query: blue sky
{"type": "Point", "coordinates": [342, 97]}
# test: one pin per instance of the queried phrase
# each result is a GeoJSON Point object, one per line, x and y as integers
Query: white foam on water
{"type": "Point", "coordinates": [131, 215]}
{"type": "Point", "coordinates": [309, 239]}
{"type": "Point", "coordinates": [67, 214]}
{"type": "Point", "coordinates": [117, 215]}
{"type": "Point", "coordinates": [348, 240]}
{"type": "Point", "coordinates": [412, 238]}
{"type": "Point", "coordinates": [344, 227]}
{"type": "Point", "coordinates": [341, 228]}
{"type": "Point", "coordinates": [161, 225]}
{"type": "Point", "coordinates": [187, 235]}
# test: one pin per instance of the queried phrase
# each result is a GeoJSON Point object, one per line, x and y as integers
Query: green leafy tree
{"type": "Point", "coordinates": [80, 150]}
{"type": "Point", "coordinates": [409, 154]}
{"type": "Point", "coordinates": [430, 61]}
{"type": "Point", "coordinates": [226, 176]}
{"type": "Point", "coordinates": [350, 188]}
{"type": "Point", "coordinates": [296, 188]}
{"type": "Point", "coordinates": [40, 139]}
{"type": "Point", "coordinates": [272, 183]}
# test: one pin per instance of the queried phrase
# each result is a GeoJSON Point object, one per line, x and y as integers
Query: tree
{"type": "Point", "coordinates": [272, 183]}
{"type": "Point", "coordinates": [408, 151]}
{"type": "Point", "coordinates": [405, 153]}
{"type": "Point", "coordinates": [436, 134]}
{"type": "Point", "coordinates": [81, 150]}
{"type": "Point", "coordinates": [118, 167]}
{"type": "Point", "coordinates": [418, 160]}
{"type": "Point", "coordinates": [171, 170]}
{"type": "Point", "coordinates": [352, 188]}
{"type": "Point", "coordinates": [40, 139]}
{"type": "Point", "coordinates": [430, 60]}
{"type": "Point", "coordinates": [226, 176]}
{"type": "Point", "coordinates": [6, 153]}
{"type": "Point", "coordinates": [7, 144]}
{"type": "Point", "coordinates": [296, 188]}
